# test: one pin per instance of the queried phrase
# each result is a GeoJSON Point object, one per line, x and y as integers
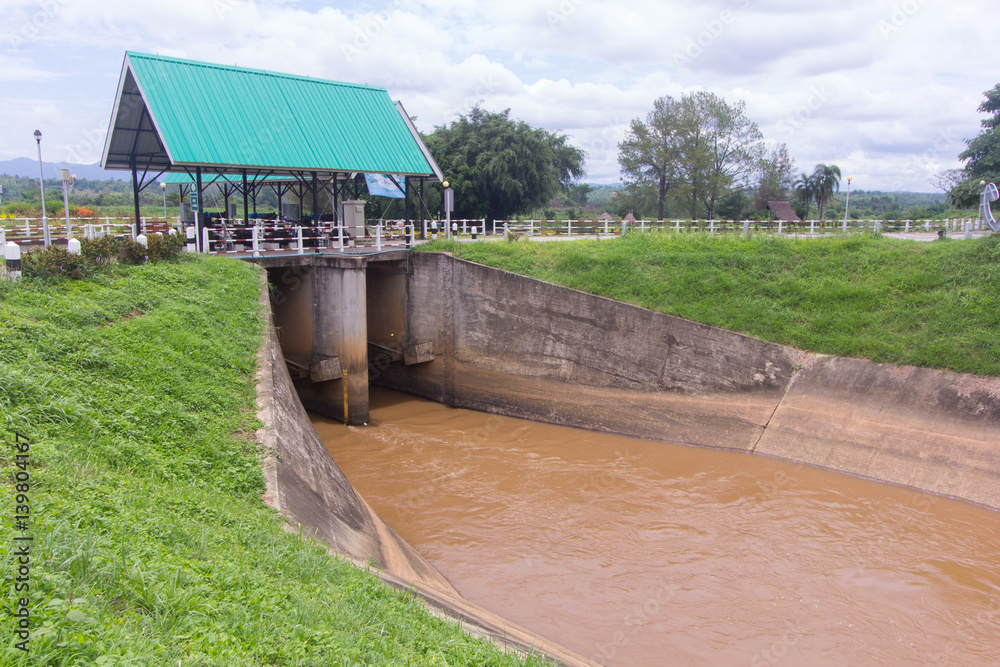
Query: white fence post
{"type": "Point", "coordinates": [780, 226]}
{"type": "Point", "coordinates": [205, 243]}
{"type": "Point", "coordinates": [298, 239]}
{"type": "Point", "coordinates": [378, 237]}
{"type": "Point", "coordinates": [255, 241]}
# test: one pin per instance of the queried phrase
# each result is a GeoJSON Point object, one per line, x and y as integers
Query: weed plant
{"type": "Point", "coordinates": [926, 304]}
{"type": "Point", "coordinates": [151, 545]}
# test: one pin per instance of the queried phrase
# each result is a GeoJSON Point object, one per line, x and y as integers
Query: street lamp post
{"type": "Point", "coordinates": [847, 207]}
{"type": "Point", "coordinates": [163, 187]}
{"type": "Point", "coordinates": [41, 187]}
{"type": "Point", "coordinates": [67, 181]}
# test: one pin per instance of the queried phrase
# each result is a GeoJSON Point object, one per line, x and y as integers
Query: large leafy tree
{"type": "Point", "coordinates": [649, 156]}
{"type": "Point", "coordinates": [700, 147]}
{"type": "Point", "coordinates": [826, 181]}
{"type": "Point", "coordinates": [982, 157]}
{"type": "Point", "coordinates": [499, 166]}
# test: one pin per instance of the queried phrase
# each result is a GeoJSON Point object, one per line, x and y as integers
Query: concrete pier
{"type": "Point", "coordinates": [320, 310]}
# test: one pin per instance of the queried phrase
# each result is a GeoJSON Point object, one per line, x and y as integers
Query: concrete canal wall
{"type": "Point", "coordinates": [521, 347]}
{"type": "Point", "coordinates": [305, 485]}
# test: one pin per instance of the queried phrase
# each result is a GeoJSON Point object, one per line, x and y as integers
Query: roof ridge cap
{"type": "Point", "coordinates": [251, 70]}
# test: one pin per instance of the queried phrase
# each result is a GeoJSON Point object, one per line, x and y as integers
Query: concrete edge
{"type": "Point", "coordinates": [442, 601]}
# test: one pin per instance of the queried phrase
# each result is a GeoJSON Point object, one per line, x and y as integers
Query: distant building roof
{"type": "Point", "coordinates": [606, 216]}
{"type": "Point", "coordinates": [783, 211]}
{"type": "Point", "coordinates": [629, 217]}
{"type": "Point", "coordinates": [175, 115]}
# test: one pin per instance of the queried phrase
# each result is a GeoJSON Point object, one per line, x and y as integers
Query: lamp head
{"type": "Point", "coordinates": [163, 186]}
{"type": "Point", "coordinates": [38, 136]}
{"type": "Point", "coordinates": [445, 183]}
{"type": "Point", "coordinates": [982, 182]}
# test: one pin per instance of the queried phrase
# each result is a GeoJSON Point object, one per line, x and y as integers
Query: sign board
{"type": "Point", "coordinates": [194, 201]}
{"type": "Point", "coordinates": [385, 185]}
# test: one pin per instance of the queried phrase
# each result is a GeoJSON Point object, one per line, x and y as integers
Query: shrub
{"type": "Point", "coordinates": [53, 262]}
{"type": "Point", "coordinates": [130, 252]}
{"type": "Point", "coordinates": [110, 248]}
{"type": "Point", "coordinates": [161, 248]}
{"type": "Point", "coordinates": [99, 251]}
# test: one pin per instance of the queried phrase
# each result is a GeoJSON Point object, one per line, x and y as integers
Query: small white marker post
{"type": "Point", "coordinates": [73, 246]}
{"type": "Point", "coordinates": [12, 260]}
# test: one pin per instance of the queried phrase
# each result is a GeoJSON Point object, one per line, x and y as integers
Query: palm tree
{"type": "Point", "coordinates": [826, 181]}
{"type": "Point", "coordinates": [805, 188]}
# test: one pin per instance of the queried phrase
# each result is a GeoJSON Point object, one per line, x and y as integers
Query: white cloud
{"type": "Point", "coordinates": [888, 89]}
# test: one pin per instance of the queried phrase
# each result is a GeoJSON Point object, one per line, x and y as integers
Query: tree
{"type": "Point", "coordinates": [700, 146]}
{"type": "Point", "coordinates": [982, 157]}
{"type": "Point", "coordinates": [577, 194]}
{"type": "Point", "coordinates": [499, 166]}
{"type": "Point", "coordinates": [733, 144]}
{"type": "Point", "coordinates": [805, 190]}
{"type": "Point", "coordinates": [826, 181]}
{"type": "Point", "coordinates": [650, 152]}
{"type": "Point", "coordinates": [775, 178]}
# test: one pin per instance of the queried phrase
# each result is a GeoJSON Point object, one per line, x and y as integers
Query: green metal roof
{"type": "Point", "coordinates": [183, 178]}
{"type": "Point", "coordinates": [175, 114]}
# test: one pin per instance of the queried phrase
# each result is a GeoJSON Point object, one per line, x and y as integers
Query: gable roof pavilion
{"type": "Point", "coordinates": [174, 115]}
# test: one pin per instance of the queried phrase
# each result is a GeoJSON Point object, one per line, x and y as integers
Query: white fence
{"type": "Point", "coordinates": [584, 227]}
{"type": "Point", "coordinates": [234, 237]}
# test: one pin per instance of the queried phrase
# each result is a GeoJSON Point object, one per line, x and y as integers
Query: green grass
{"type": "Point", "coordinates": [926, 304]}
{"type": "Point", "coordinates": [151, 543]}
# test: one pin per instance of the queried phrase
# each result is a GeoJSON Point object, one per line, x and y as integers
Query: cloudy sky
{"type": "Point", "coordinates": [886, 89]}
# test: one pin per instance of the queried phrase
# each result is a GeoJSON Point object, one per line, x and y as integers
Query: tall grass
{"type": "Point", "coordinates": [151, 544]}
{"type": "Point", "coordinates": [927, 304]}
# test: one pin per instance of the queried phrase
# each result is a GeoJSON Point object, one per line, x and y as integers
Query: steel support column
{"type": "Point", "coordinates": [135, 196]}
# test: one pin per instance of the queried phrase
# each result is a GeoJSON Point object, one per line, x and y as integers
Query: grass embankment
{"type": "Point", "coordinates": [151, 545]}
{"type": "Point", "coordinates": [926, 304]}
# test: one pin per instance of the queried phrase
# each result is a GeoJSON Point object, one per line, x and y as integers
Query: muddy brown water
{"type": "Point", "coordinates": [640, 553]}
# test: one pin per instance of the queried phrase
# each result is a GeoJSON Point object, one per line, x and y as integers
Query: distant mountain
{"type": "Point", "coordinates": [24, 166]}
